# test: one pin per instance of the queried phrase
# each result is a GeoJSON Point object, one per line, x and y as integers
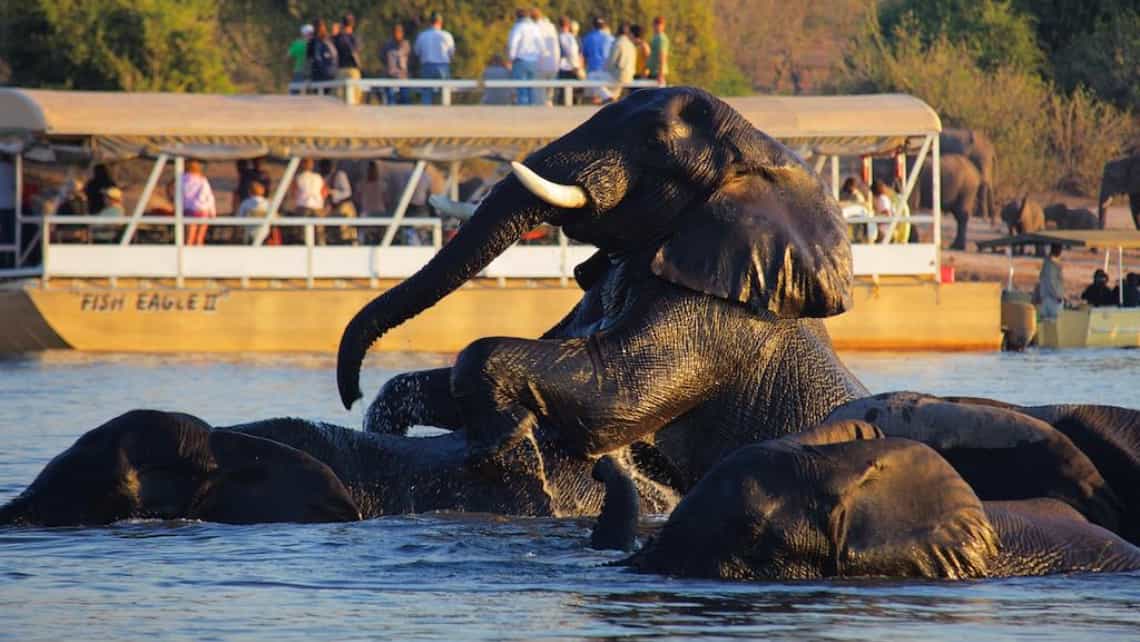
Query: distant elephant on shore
{"type": "Point", "coordinates": [1121, 176]}
{"type": "Point", "coordinates": [961, 190]}
{"type": "Point", "coordinates": [1024, 217]}
{"type": "Point", "coordinates": [846, 500]}
{"type": "Point", "coordinates": [1065, 218]}
{"type": "Point", "coordinates": [981, 151]}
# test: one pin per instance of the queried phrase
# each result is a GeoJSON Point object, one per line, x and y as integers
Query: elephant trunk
{"type": "Point", "coordinates": [507, 212]}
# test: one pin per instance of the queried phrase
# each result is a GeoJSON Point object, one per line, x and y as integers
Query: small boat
{"type": "Point", "coordinates": [1081, 326]}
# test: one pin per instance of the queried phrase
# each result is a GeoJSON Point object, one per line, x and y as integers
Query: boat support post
{"type": "Point", "coordinates": [278, 198]}
{"type": "Point", "coordinates": [179, 231]}
{"type": "Point", "coordinates": [144, 198]}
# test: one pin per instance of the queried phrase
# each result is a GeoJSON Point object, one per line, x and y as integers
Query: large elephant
{"type": "Point", "coordinates": [846, 500]}
{"type": "Point", "coordinates": [718, 247]}
{"type": "Point", "coordinates": [1121, 176]}
{"type": "Point", "coordinates": [152, 464]}
{"type": "Point", "coordinates": [961, 191]}
{"type": "Point", "coordinates": [981, 151]}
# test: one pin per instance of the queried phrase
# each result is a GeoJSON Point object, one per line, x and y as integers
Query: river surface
{"type": "Point", "coordinates": [470, 577]}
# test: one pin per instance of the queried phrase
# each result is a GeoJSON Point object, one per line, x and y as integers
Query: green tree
{"type": "Point", "coordinates": [1107, 61]}
{"type": "Point", "coordinates": [994, 33]}
{"type": "Point", "coordinates": [139, 45]}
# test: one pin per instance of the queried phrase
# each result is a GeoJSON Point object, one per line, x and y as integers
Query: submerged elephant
{"type": "Point", "coordinates": [153, 464]}
{"type": "Point", "coordinates": [844, 500]}
{"type": "Point", "coordinates": [1121, 176]}
{"type": "Point", "coordinates": [698, 329]}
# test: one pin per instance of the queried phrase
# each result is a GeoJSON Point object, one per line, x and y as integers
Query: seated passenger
{"type": "Point", "coordinates": [254, 205]}
{"type": "Point", "coordinates": [1098, 293]}
{"type": "Point", "coordinates": [882, 204]}
{"type": "Point", "coordinates": [1132, 290]}
{"type": "Point", "coordinates": [853, 190]}
{"type": "Point", "coordinates": [113, 206]}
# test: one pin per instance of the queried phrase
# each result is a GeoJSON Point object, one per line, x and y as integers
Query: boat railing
{"type": "Point", "coordinates": [447, 88]}
{"type": "Point", "coordinates": [308, 260]}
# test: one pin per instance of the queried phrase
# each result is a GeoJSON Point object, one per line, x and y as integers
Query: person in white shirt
{"type": "Point", "coordinates": [549, 57]}
{"type": "Point", "coordinates": [570, 53]}
{"type": "Point", "coordinates": [434, 48]}
{"type": "Point", "coordinates": [524, 48]}
{"type": "Point", "coordinates": [309, 192]}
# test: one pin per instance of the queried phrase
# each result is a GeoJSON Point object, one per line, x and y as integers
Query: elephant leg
{"type": "Point", "coordinates": [960, 240]}
{"type": "Point", "coordinates": [422, 397]}
{"type": "Point", "coordinates": [600, 392]}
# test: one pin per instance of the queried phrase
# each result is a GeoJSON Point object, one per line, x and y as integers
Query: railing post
{"type": "Point", "coordinates": [45, 230]}
{"type": "Point", "coordinates": [278, 198]}
{"type": "Point", "coordinates": [140, 207]}
{"type": "Point", "coordinates": [179, 231]}
{"type": "Point", "coordinates": [444, 95]}
{"type": "Point", "coordinates": [437, 234]}
{"type": "Point", "coordinates": [936, 201]}
{"type": "Point", "coordinates": [17, 233]}
{"type": "Point", "coordinates": [568, 95]}
{"type": "Point", "coordinates": [309, 241]}
{"type": "Point", "coordinates": [564, 257]}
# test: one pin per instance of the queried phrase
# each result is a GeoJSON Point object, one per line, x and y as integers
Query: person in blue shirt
{"type": "Point", "coordinates": [596, 46]}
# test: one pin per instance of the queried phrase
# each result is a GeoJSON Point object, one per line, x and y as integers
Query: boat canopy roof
{"type": "Point", "coordinates": [1123, 239]}
{"type": "Point", "coordinates": [121, 125]}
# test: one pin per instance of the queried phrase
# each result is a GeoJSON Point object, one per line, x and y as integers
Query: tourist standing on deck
{"type": "Point", "coordinates": [299, 55]}
{"type": "Point", "coordinates": [622, 65]}
{"type": "Point", "coordinates": [309, 194]}
{"type": "Point", "coordinates": [348, 58]}
{"type": "Point", "coordinates": [569, 52]}
{"type": "Point", "coordinates": [395, 55]}
{"type": "Point", "coordinates": [596, 47]}
{"type": "Point", "coordinates": [549, 55]}
{"type": "Point", "coordinates": [1050, 293]}
{"type": "Point", "coordinates": [197, 202]}
{"type": "Point", "coordinates": [434, 48]}
{"type": "Point", "coordinates": [642, 46]}
{"type": "Point", "coordinates": [659, 52]}
{"type": "Point", "coordinates": [322, 54]}
{"type": "Point", "coordinates": [339, 190]}
{"type": "Point", "coordinates": [524, 48]}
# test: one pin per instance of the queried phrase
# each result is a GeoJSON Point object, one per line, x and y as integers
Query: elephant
{"type": "Point", "coordinates": [980, 150]}
{"type": "Point", "coordinates": [846, 500]}
{"type": "Point", "coordinates": [1065, 218]}
{"type": "Point", "coordinates": [962, 193]}
{"type": "Point", "coordinates": [699, 329]}
{"type": "Point", "coordinates": [154, 464]}
{"type": "Point", "coordinates": [1024, 217]}
{"type": "Point", "coordinates": [1121, 176]}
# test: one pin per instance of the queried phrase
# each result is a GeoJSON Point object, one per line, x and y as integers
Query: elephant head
{"type": "Point", "coordinates": [728, 211]}
{"type": "Point", "coordinates": [836, 501]}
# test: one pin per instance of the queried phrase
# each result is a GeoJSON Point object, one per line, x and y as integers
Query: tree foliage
{"type": "Point", "coordinates": [1045, 138]}
{"type": "Point", "coordinates": [1106, 60]}
{"type": "Point", "coordinates": [994, 34]}
{"type": "Point", "coordinates": [152, 45]}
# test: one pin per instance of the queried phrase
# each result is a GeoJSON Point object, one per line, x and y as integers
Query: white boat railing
{"type": "Point", "coordinates": [309, 260]}
{"type": "Point", "coordinates": [449, 87]}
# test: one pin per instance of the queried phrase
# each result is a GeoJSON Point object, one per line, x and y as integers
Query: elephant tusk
{"type": "Point", "coordinates": [568, 196]}
{"type": "Point", "coordinates": [448, 207]}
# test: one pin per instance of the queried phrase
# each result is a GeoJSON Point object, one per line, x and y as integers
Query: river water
{"type": "Point", "coordinates": [470, 577]}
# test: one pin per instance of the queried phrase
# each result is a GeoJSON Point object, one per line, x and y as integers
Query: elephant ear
{"type": "Point", "coordinates": [770, 237]}
{"type": "Point", "coordinates": [903, 511]}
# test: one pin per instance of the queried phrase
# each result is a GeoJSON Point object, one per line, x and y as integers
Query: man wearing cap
{"type": "Point", "coordinates": [434, 48]}
{"type": "Point", "coordinates": [1098, 293]}
{"type": "Point", "coordinates": [298, 54]}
